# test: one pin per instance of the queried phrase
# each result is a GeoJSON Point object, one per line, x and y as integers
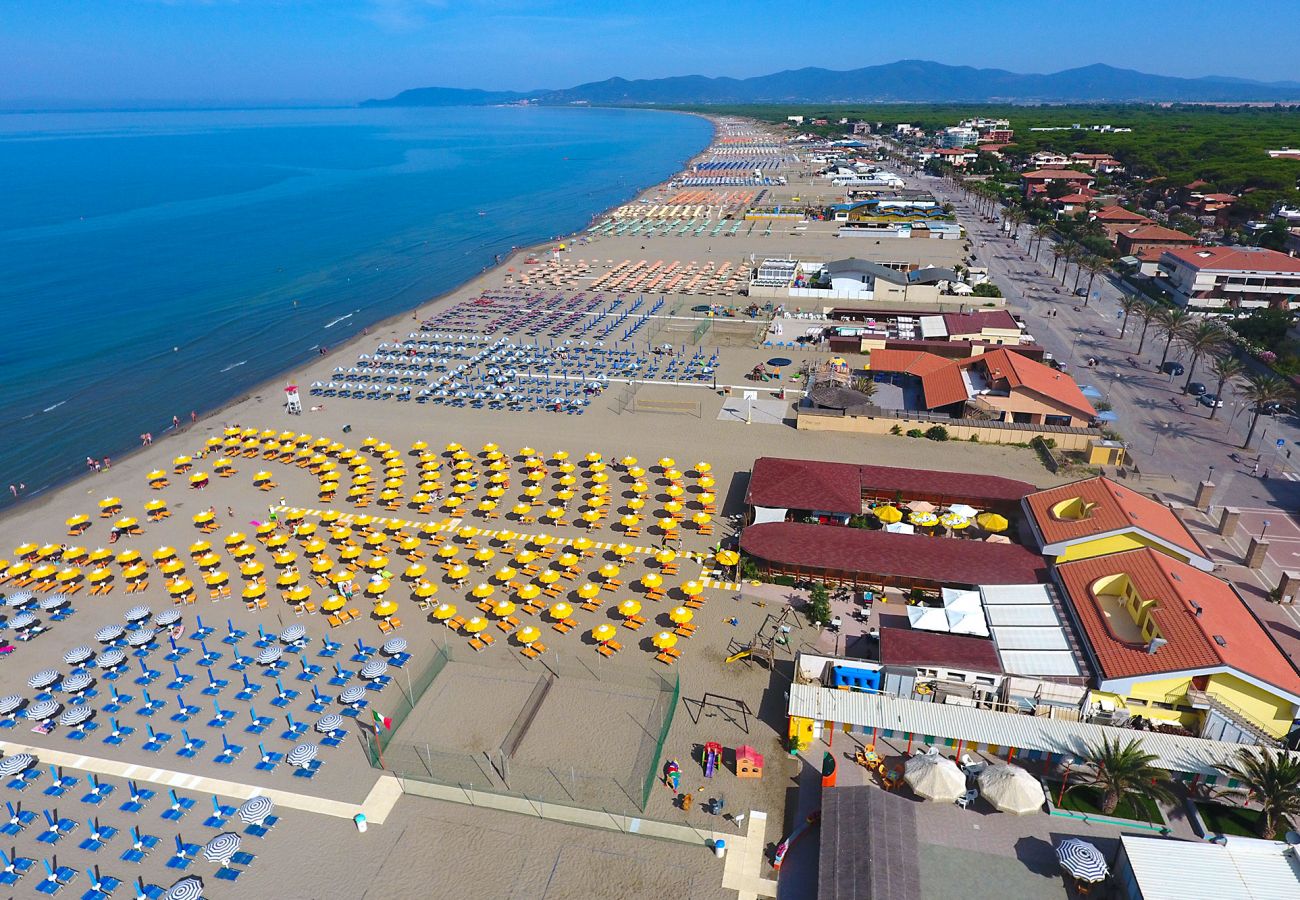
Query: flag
{"type": "Point", "coordinates": [381, 721]}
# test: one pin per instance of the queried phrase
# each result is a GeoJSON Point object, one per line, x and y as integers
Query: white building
{"type": "Point", "coordinates": [1217, 278]}
{"type": "Point", "coordinates": [959, 137]}
{"type": "Point", "coordinates": [1239, 868]}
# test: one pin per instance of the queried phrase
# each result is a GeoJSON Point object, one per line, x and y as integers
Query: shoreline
{"type": "Point", "coordinates": [275, 382]}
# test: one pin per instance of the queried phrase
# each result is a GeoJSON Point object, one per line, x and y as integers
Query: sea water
{"type": "Point", "coordinates": [155, 263]}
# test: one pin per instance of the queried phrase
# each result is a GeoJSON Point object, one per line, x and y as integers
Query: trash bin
{"type": "Point", "coordinates": [719, 848]}
{"type": "Point", "coordinates": [360, 819]}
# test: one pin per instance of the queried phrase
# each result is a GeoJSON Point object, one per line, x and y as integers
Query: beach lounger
{"type": "Point", "coordinates": [666, 659]}
{"type": "Point", "coordinates": [530, 651]}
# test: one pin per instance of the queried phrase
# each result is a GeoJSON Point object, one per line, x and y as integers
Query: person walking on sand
{"type": "Point", "coordinates": [13, 489]}
{"type": "Point", "coordinates": [194, 416]}
{"type": "Point", "coordinates": [108, 463]}
{"type": "Point", "coordinates": [176, 422]}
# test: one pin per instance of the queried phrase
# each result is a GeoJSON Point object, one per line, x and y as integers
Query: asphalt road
{"type": "Point", "coordinates": [1167, 432]}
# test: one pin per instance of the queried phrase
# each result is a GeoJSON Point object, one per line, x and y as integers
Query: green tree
{"type": "Point", "coordinates": [1266, 327]}
{"type": "Point", "coordinates": [1273, 779]}
{"type": "Point", "coordinates": [986, 289]}
{"type": "Point", "coordinates": [1171, 321]}
{"type": "Point", "coordinates": [1227, 368]}
{"type": "Point", "coordinates": [1147, 313]}
{"type": "Point", "coordinates": [819, 604]}
{"type": "Point", "coordinates": [1259, 391]}
{"type": "Point", "coordinates": [1275, 236]}
{"type": "Point", "coordinates": [1094, 266]}
{"type": "Point", "coordinates": [1199, 338]}
{"type": "Point", "coordinates": [1039, 234]}
{"type": "Point", "coordinates": [1120, 769]}
{"type": "Point", "coordinates": [1129, 304]}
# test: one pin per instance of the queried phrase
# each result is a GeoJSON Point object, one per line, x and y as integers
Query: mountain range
{"type": "Point", "coordinates": [914, 81]}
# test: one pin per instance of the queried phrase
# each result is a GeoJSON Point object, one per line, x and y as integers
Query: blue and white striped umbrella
{"type": "Point", "coordinates": [9, 703]}
{"type": "Point", "coordinates": [113, 656]}
{"type": "Point", "coordinates": [394, 645]}
{"type": "Point", "coordinates": [53, 601]}
{"type": "Point", "coordinates": [140, 637]}
{"type": "Point", "coordinates": [351, 694]}
{"type": "Point", "coordinates": [328, 722]}
{"type": "Point", "coordinates": [15, 763]}
{"type": "Point", "coordinates": [78, 681]}
{"type": "Point", "coordinates": [23, 620]}
{"type": "Point", "coordinates": [78, 655]}
{"type": "Point", "coordinates": [109, 633]}
{"type": "Point", "coordinates": [19, 598]}
{"type": "Point", "coordinates": [269, 655]}
{"type": "Point", "coordinates": [374, 669]}
{"type": "Point", "coordinates": [255, 809]}
{"type": "Point", "coordinates": [301, 754]}
{"type": "Point", "coordinates": [75, 715]}
{"type": "Point", "coordinates": [138, 613]}
{"type": "Point", "coordinates": [188, 888]}
{"type": "Point", "coordinates": [1082, 860]}
{"type": "Point", "coordinates": [222, 847]}
{"type": "Point", "coordinates": [291, 633]}
{"type": "Point", "coordinates": [39, 712]}
{"type": "Point", "coordinates": [167, 617]}
{"type": "Point", "coordinates": [43, 679]}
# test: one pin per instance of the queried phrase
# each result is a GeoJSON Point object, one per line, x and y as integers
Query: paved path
{"type": "Point", "coordinates": [376, 807]}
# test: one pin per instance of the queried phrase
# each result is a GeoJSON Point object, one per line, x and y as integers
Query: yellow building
{"type": "Point", "coordinates": [1096, 516]}
{"type": "Point", "coordinates": [1170, 642]}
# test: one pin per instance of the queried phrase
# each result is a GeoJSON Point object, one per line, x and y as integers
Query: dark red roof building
{"type": "Point", "coordinates": [933, 649]}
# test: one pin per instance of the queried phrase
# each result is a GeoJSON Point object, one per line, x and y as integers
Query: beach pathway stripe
{"type": "Point", "coordinates": [376, 807]}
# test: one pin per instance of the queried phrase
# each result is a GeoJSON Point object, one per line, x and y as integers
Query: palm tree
{"type": "Point", "coordinates": [1069, 252]}
{"type": "Point", "coordinates": [1227, 368]}
{"type": "Point", "coordinates": [1148, 313]}
{"type": "Point", "coordinates": [1058, 252]}
{"type": "Point", "coordinates": [1171, 323]}
{"type": "Point", "coordinates": [1124, 769]}
{"type": "Point", "coordinates": [1201, 337]}
{"type": "Point", "coordinates": [1129, 304]}
{"type": "Point", "coordinates": [1040, 233]}
{"type": "Point", "coordinates": [1094, 266]}
{"type": "Point", "coordinates": [1017, 219]}
{"type": "Point", "coordinates": [1273, 779]}
{"type": "Point", "coordinates": [1261, 390]}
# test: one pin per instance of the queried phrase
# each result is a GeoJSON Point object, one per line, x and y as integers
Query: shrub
{"type": "Point", "coordinates": [897, 429]}
{"type": "Point", "coordinates": [974, 438]}
{"type": "Point", "coordinates": [819, 604]}
{"type": "Point", "coordinates": [936, 433]}
{"type": "Point", "coordinates": [915, 433]}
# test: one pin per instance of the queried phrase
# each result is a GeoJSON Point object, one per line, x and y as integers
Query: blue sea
{"type": "Point", "coordinates": [154, 263]}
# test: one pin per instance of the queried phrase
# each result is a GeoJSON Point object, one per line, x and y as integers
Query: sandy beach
{"type": "Point", "coordinates": [426, 846]}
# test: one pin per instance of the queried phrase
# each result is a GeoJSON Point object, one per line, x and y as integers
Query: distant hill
{"type": "Point", "coordinates": [914, 81]}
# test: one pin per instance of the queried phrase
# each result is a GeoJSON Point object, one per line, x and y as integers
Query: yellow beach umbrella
{"type": "Point", "coordinates": [100, 574]}
{"type": "Point", "coordinates": [692, 588]}
{"type": "Point", "coordinates": [110, 503]}
{"type": "Point", "coordinates": [482, 591]}
{"type": "Point", "coordinates": [583, 544]}
{"type": "Point", "coordinates": [991, 521]}
{"type": "Point", "coordinates": [665, 556]}
{"type": "Point", "coordinates": [608, 570]}
{"type": "Point", "coordinates": [529, 592]}
{"type": "Point", "coordinates": [72, 554]}
{"type": "Point", "coordinates": [213, 579]}
{"type": "Point", "coordinates": [287, 579]}
{"type": "Point", "coordinates": [385, 608]}
{"type": "Point", "coordinates": [528, 634]}
{"type": "Point", "coordinates": [377, 588]}
{"type": "Point", "coordinates": [425, 589]}
{"type": "Point", "coordinates": [299, 593]}
{"type": "Point", "coordinates": [651, 580]}
{"type": "Point", "coordinates": [447, 551]}
{"type": "Point", "coordinates": [179, 587]}
{"type": "Point", "coordinates": [333, 603]}
{"type": "Point", "coordinates": [349, 552]}
{"type": "Point", "coordinates": [664, 639]}
{"type": "Point", "coordinates": [172, 567]}
{"type": "Point", "coordinates": [503, 608]}
{"type": "Point", "coordinates": [681, 615]}
{"type": "Point", "coordinates": [252, 569]}
{"type": "Point", "coordinates": [560, 610]}
{"type": "Point", "coordinates": [589, 590]}
{"type": "Point", "coordinates": [126, 557]}
{"type": "Point", "coordinates": [629, 607]}
{"type": "Point", "coordinates": [604, 632]}
{"type": "Point", "coordinates": [701, 518]}
{"type": "Point", "coordinates": [444, 611]}
{"type": "Point", "coordinates": [726, 557]}
{"type": "Point", "coordinates": [475, 625]}
{"type": "Point", "coordinates": [623, 549]}
{"type": "Point", "coordinates": [235, 538]}
{"type": "Point", "coordinates": [458, 572]}
{"type": "Point", "coordinates": [505, 573]}
{"type": "Point", "coordinates": [321, 564]}
{"type": "Point", "coordinates": [888, 514]}
{"type": "Point", "coordinates": [78, 520]}
{"type": "Point", "coordinates": [415, 570]}
{"type": "Point", "coordinates": [99, 554]}
{"type": "Point", "coordinates": [164, 552]}
{"type": "Point", "coordinates": [139, 570]}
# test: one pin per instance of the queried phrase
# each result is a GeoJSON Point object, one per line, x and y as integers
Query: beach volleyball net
{"type": "Point", "coordinates": [568, 733]}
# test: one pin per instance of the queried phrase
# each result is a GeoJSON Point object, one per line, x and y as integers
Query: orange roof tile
{"type": "Point", "coordinates": [1205, 623]}
{"type": "Point", "coordinates": [1118, 214]}
{"type": "Point", "coordinates": [1056, 174]}
{"type": "Point", "coordinates": [1247, 259]}
{"type": "Point", "coordinates": [944, 385]}
{"type": "Point", "coordinates": [1024, 373]}
{"type": "Point", "coordinates": [1114, 508]}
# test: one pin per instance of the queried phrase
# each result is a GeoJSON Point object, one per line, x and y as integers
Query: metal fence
{"type": "Point", "coordinates": [619, 786]}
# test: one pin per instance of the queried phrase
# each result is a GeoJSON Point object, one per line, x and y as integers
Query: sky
{"type": "Point", "coordinates": [103, 52]}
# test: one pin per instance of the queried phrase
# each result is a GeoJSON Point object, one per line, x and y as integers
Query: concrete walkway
{"type": "Point", "coordinates": [376, 807]}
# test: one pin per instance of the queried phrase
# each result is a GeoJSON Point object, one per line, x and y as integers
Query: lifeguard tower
{"type": "Point", "coordinates": [292, 401]}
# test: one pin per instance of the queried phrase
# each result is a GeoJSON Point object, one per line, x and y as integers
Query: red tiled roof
{"type": "Point", "coordinates": [1073, 198]}
{"type": "Point", "coordinates": [943, 386]}
{"type": "Point", "coordinates": [1057, 174]}
{"type": "Point", "coordinates": [908, 647]}
{"type": "Point", "coordinates": [972, 322]}
{"type": "Point", "coordinates": [805, 484]}
{"type": "Point", "coordinates": [1193, 640]}
{"type": "Point", "coordinates": [934, 560]}
{"type": "Point", "coordinates": [1247, 259]}
{"type": "Point", "coordinates": [1155, 232]}
{"type": "Point", "coordinates": [1116, 508]}
{"type": "Point", "coordinates": [1022, 372]}
{"type": "Point", "coordinates": [1118, 214]}
{"type": "Point", "coordinates": [839, 487]}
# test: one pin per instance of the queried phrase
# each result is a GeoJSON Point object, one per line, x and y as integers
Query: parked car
{"type": "Point", "coordinates": [1210, 400]}
{"type": "Point", "coordinates": [1196, 389]}
{"type": "Point", "coordinates": [1172, 368]}
{"type": "Point", "coordinates": [1274, 408]}
{"type": "Point", "coordinates": [1081, 292]}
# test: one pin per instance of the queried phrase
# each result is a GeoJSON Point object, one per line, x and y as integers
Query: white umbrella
{"type": "Point", "coordinates": [900, 528]}
{"type": "Point", "coordinates": [927, 618]}
{"type": "Point", "coordinates": [966, 623]}
{"type": "Point", "coordinates": [935, 777]}
{"type": "Point", "coordinates": [1011, 789]}
{"type": "Point", "coordinates": [962, 509]}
